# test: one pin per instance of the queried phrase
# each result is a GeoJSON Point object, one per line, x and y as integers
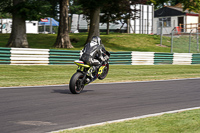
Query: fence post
{"type": "Point", "coordinates": [161, 33]}
{"type": "Point", "coordinates": [197, 40]}
{"type": "Point", "coordinates": [1, 25]}
{"type": "Point", "coordinates": [172, 40]}
{"type": "Point", "coordinates": [190, 40]}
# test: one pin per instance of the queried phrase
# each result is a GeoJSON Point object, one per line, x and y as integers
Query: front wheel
{"type": "Point", "coordinates": [76, 84]}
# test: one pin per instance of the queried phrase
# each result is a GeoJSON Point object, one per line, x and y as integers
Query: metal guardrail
{"type": "Point", "coordinates": [63, 57]}
{"type": "Point", "coordinates": [28, 56]}
{"type": "Point", "coordinates": [163, 58]}
{"type": "Point", "coordinates": [5, 55]}
{"type": "Point", "coordinates": [120, 58]}
{"type": "Point", "coordinates": [196, 59]}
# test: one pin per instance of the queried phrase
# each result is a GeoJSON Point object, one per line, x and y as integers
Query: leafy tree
{"type": "Point", "coordinates": [54, 11]}
{"type": "Point", "coordinates": [22, 10]}
{"type": "Point", "coordinates": [75, 7]}
{"type": "Point", "coordinates": [5, 15]}
{"type": "Point", "coordinates": [119, 10]}
{"type": "Point", "coordinates": [92, 8]}
{"type": "Point", "coordinates": [192, 5]}
{"type": "Point", "coordinates": [158, 3]}
{"type": "Point", "coordinates": [63, 40]}
{"type": "Point", "coordinates": [113, 12]}
{"type": "Point", "coordinates": [113, 9]}
{"type": "Point", "coordinates": [174, 2]}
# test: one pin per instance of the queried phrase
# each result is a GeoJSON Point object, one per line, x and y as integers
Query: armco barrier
{"type": "Point", "coordinates": [182, 58]}
{"type": "Point", "coordinates": [196, 59]}
{"type": "Point", "coordinates": [142, 58]}
{"type": "Point", "coordinates": [63, 57]}
{"type": "Point", "coordinates": [163, 58]}
{"type": "Point", "coordinates": [29, 56]}
{"type": "Point", "coordinates": [120, 58]}
{"type": "Point", "coordinates": [5, 55]}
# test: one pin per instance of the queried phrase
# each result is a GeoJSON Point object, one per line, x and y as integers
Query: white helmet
{"type": "Point", "coordinates": [96, 39]}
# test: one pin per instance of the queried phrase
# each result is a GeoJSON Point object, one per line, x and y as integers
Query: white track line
{"type": "Point", "coordinates": [145, 81]}
{"type": "Point", "coordinates": [31, 86]}
{"type": "Point", "coordinates": [126, 119]}
{"type": "Point", "coordinates": [104, 83]}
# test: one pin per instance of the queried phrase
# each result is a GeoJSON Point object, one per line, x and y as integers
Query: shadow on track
{"type": "Point", "coordinates": [66, 91]}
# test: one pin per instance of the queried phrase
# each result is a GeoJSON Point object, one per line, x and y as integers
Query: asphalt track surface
{"type": "Point", "coordinates": [51, 108]}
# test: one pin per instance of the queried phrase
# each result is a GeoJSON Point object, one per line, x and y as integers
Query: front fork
{"type": "Point", "coordinates": [85, 75]}
{"type": "Point", "coordinates": [82, 70]}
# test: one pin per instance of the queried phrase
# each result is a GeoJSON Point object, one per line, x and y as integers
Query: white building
{"type": "Point", "coordinates": [172, 17]}
{"type": "Point", "coordinates": [144, 24]}
{"type": "Point", "coordinates": [31, 26]}
{"type": "Point", "coordinates": [7, 25]}
{"type": "Point", "coordinates": [80, 24]}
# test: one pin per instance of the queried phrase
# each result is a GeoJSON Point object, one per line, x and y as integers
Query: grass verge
{"type": "Point", "coordinates": [182, 122]}
{"type": "Point", "coordinates": [112, 42]}
{"type": "Point", "coordinates": [56, 74]}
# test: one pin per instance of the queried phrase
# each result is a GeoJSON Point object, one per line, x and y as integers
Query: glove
{"type": "Point", "coordinates": [106, 57]}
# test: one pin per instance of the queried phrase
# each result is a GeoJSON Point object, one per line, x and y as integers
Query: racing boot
{"type": "Point", "coordinates": [90, 71]}
{"type": "Point", "coordinates": [93, 69]}
{"type": "Point", "coordinates": [97, 69]}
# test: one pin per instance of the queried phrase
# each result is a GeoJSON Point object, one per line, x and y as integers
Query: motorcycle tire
{"type": "Point", "coordinates": [76, 85]}
{"type": "Point", "coordinates": [105, 72]}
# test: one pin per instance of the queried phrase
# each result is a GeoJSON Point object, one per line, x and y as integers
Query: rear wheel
{"type": "Point", "coordinates": [105, 72]}
{"type": "Point", "coordinates": [76, 84]}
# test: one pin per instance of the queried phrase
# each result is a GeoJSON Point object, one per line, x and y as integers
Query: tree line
{"type": "Point", "coordinates": [113, 11]}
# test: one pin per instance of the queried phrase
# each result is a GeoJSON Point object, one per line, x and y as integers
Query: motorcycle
{"type": "Point", "coordinates": [85, 76]}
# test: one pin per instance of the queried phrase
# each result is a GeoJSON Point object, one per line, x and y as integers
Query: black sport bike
{"type": "Point", "coordinates": [83, 76]}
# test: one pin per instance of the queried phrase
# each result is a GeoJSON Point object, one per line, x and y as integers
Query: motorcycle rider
{"type": "Point", "coordinates": [94, 53]}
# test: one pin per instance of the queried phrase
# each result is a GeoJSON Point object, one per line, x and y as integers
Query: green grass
{"type": "Point", "coordinates": [56, 75]}
{"type": "Point", "coordinates": [112, 42]}
{"type": "Point", "coordinates": [115, 42]}
{"type": "Point", "coordinates": [182, 122]}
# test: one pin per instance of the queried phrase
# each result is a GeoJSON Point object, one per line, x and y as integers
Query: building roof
{"type": "Point", "coordinates": [173, 11]}
{"type": "Point", "coordinates": [181, 9]}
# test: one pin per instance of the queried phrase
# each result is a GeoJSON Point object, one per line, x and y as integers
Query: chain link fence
{"type": "Point", "coordinates": [185, 40]}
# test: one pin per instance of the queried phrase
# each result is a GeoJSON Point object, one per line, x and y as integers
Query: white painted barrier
{"type": "Point", "coordinates": [29, 56]}
{"type": "Point", "coordinates": [182, 59]}
{"type": "Point", "coordinates": [142, 58]}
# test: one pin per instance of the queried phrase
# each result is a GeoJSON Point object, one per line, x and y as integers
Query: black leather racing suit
{"type": "Point", "coordinates": [93, 53]}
